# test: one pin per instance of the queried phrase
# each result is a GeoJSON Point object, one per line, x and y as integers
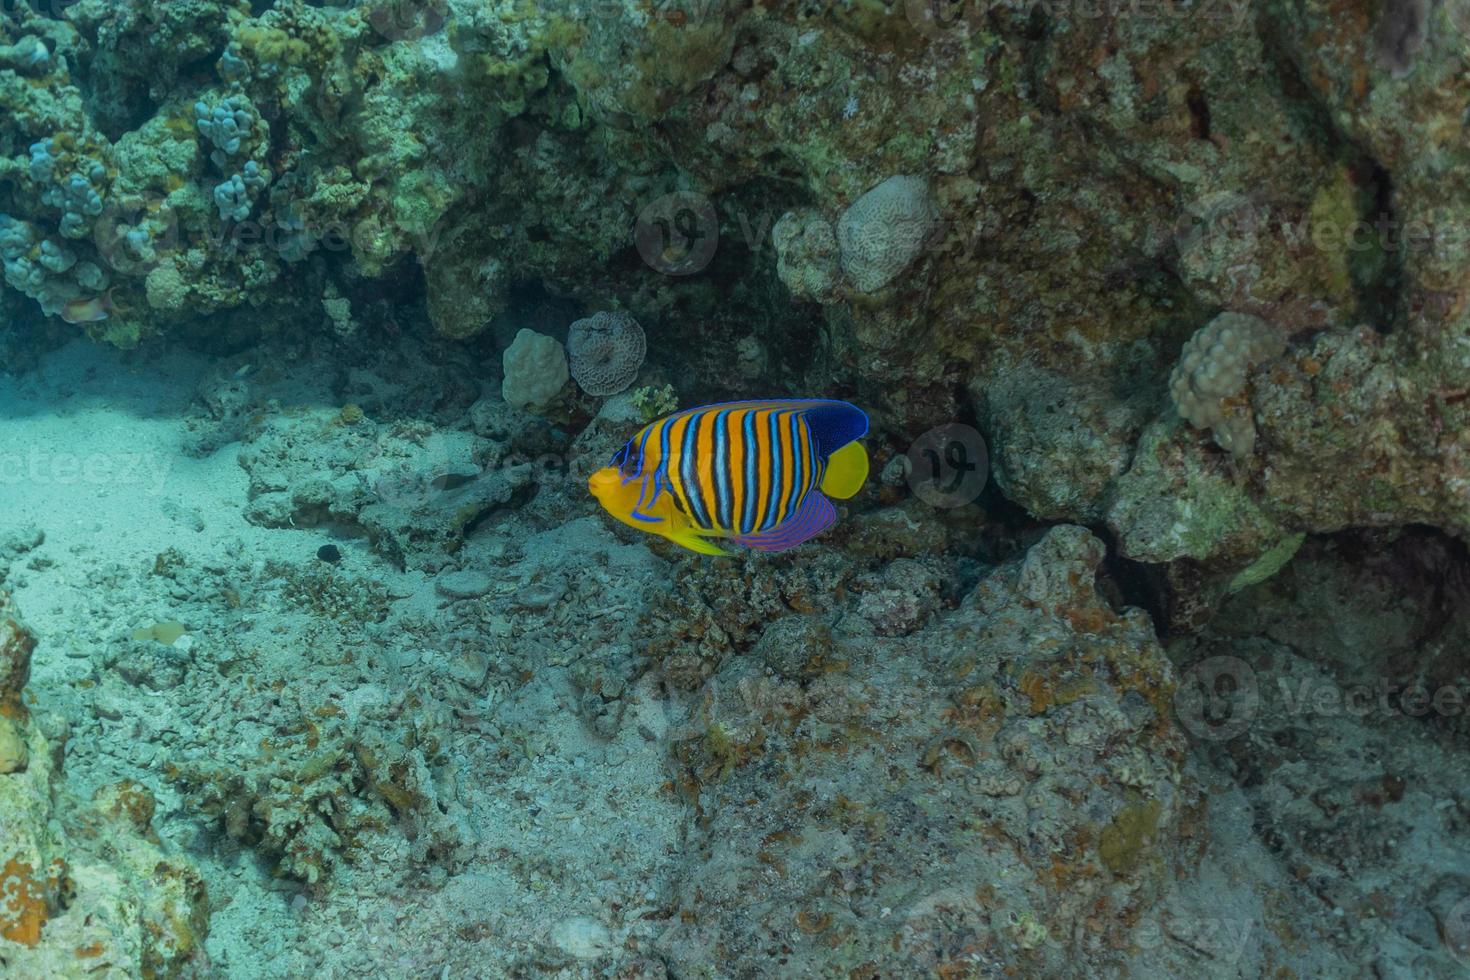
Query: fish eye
{"type": "Point", "coordinates": [628, 460]}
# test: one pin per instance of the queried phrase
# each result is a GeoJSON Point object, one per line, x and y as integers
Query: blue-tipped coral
{"type": "Point", "coordinates": [78, 200]}
{"type": "Point", "coordinates": [15, 238]}
{"type": "Point", "coordinates": [231, 65]}
{"type": "Point", "coordinates": [227, 126]}
{"type": "Point", "coordinates": [56, 257]}
{"type": "Point", "coordinates": [29, 55]}
{"type": "Point", "coordinates": [293, 242]}
{"type": "Point", "coordinates": [254, 177]}
{"type": "Point", "coordinates": [232, 200]}
{"type": "Point", "coordinates": [45, 155]}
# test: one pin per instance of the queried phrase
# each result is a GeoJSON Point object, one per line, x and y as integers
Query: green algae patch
{"type": "Point", "coordinates": [1122, 843]}
{"type": "Point", "coordinates": [166, 633]}
{"type": "Point", "coordinates": [1273, 561]}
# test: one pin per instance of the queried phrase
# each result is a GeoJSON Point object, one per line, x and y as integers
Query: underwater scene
{"type": "Point", "coordinates": [704, 489]}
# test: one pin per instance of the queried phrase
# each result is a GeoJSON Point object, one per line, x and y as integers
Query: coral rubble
{"type": "Point", "coordinates": [85, 886]}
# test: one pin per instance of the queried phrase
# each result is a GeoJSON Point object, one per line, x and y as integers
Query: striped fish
{"type": "Point", "coordinates": [759, 472]}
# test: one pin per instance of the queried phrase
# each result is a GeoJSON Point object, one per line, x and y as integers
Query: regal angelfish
{"type": "Point", "coordinates": [760, 472]}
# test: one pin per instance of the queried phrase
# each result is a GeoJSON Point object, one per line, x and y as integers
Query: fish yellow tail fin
{"type": "Point", "coordinates": [847, 471]}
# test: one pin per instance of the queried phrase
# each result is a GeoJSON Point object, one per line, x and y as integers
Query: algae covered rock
{"type": "Point", "coordinates": [920, 818]}
{"type": "Point", "coordinates": [84, 882]}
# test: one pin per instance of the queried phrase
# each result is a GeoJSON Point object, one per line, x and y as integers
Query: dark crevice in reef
{"type": "Point", "coordinates": [117, 109]}
{"type": "Point", "coordinates": [1199, 112]}
{"type": "Point", "coordinates": [1125, 582]}
{"type": "Point", "coordinates": [1376, 247]}
{"type": "Point", "coordinates": [1297, 98]}
{"type": "Point", "coordinates": [1428, 573]}
{"type": "Point", "coordinates": [1377, 266]}
{"type": "Point", "coordinates": [1419, 575]}
{"type": "Point", "coordinates": [531, 305]}
{"type": "Point", "coordinates": [1009, 528]}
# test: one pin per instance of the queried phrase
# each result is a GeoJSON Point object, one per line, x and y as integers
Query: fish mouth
{"type": "Point", "coordinates": [600, 482]}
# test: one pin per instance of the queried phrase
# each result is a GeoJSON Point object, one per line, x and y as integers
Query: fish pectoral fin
{"type": "Point", "coordinates": [691, 539]}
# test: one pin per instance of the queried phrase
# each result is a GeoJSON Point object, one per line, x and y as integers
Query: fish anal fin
{"type": "Point", "coordinates": [815, 516]}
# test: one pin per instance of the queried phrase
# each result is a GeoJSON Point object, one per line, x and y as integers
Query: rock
{"type": "Point", "coordinates": [469, 668]}
{"type": "Point", "coordinates": [796, 646]}
{"type": "Point", "coordinates": [582, 937]}
{"type": "Point", "coordinates": [81, 880]}
{"type": "Point", "coordinates": [16, 645]}
{"type": "Point", "coordinates": [465, 584]}
{"type": "Point", "coordinates": [13, 751]}
{"type": "Point", "coordinates": [862, 855]}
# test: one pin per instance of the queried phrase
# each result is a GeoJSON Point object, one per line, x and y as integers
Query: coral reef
{"type": "Point", "coordinates": [1193, 278]}
{"type": "Point", "coordinates": [1212, 370]}
{"type": "Point", "coordinates": [605, 351]}
{"type": "Point", "coordinates": [1008, 265]}
{"type": "Point", "coordinates": [506, 736]}
{"type": "Point", "coordinates": [535, 370]}
{"type": "Point", "coordinates": [923, 866]}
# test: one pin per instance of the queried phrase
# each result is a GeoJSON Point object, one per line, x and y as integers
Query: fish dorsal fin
{"type": "Point", "coordinates": [833, 423]}
{"type": "Point", "coordinates": [815, 516]}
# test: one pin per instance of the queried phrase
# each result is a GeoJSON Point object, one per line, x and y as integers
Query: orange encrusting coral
{"type": "Point", "coordinates": [23, 907]}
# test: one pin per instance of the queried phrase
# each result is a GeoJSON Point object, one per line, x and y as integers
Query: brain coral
{"type": "Point", "coordinates": [1212, 369]}
{"type": "Point", "coordinates": [535, 370]}
{"type": "Point", "coordinates": [882, 232]}
{"type": "Point", "coordinates": [606, 349]}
